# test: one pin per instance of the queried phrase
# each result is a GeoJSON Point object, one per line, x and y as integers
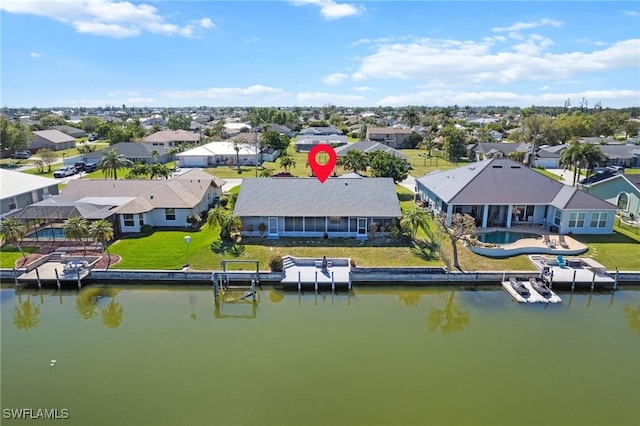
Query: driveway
{"type": "Point", "coordinates": [409, 183]}
{"type": "Point", "coordinates": [230, 184]}
{"type": "Point", "coordinates": [566, 175]}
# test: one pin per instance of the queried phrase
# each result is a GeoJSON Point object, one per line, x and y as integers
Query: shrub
{"type": "Point", "coordinates": [352, 263]}
{"type": "Point", "coordinates": [262, 228]}
{"type": "Point", "coordinates": [275, 263]}
{"type": "Point", "coordinates": [194, 220]}
{"type": "Point", "coordinates": [146, 229]}
{"type": "Point", "coordinates": [237, 250]}
{"type": "Point", "coordinates": [224, 200]}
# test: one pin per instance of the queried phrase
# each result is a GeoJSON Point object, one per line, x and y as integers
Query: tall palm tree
{"type": "Point", "coordinates": [13, 231]}
{"type": "Point", "coordinates": [237, 143]}
{"type": "Point", "coordinates": [573, 157]}
{"type": "Point", "coordinates": [76, 228]}
{"type": "Point", "coordinates": [172, 154]}
{"type": "Point", "coordinates": [112, 162]}
{"type": "Point", "coordinates": [160, 171]}
{"type": "Point", "coordinates": [413, 220]}
{"type": "Point", "coordinates": [102, 231]}
{"type": "Point", "coordinates": [155, 154]}
{"type": "Point", "coordinates": [287, 161]}
{"type": "Point", "coordinates": [139, 171]}
{"type": "Point", "coordinates": [593, 157]}
{"type": "Point", "coordinates": [410, 116]}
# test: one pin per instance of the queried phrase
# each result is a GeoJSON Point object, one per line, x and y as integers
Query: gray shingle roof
{"type": "Point", "coordinates": [133, 150]}
{"type": "Point", "coordinates": [503, 181]}
{"type": "Point", "coordinates": [368, 146]}
{"type": "Point", "coordinates": [55, 136]}
{"type": "Point", "coordinates": [172, 136]}
{"type": "Point", "coordinates": [308, 197]}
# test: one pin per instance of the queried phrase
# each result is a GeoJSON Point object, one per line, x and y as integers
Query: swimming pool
{"type": "Point", "coordinates": [48, 234]}
{"type": "Point", "coordinates": [505, 237]}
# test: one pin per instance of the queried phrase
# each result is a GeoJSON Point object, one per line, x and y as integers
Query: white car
{"type": "Point", "coordinates": [64, 172]}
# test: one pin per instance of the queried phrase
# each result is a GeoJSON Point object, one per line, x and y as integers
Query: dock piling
{"type": "Point", "coordinates": [299, 283]}
{"type": "Point", "coordinates": [78, 274]}
{"type": "Point", "coordinates": [15, 277]}
{"type": "Point", "coordinates": [38, 278]}
{"type": "Point", "coordinates": [316, 282]}
{"type": "Point", "coordinates": [573, 282]}
{"type": "Point", "coordinates": [615, 281]}
{"type": "Point", "coordinates": [253, 290]}
{"type": "Point", "coordinates": [57, 278]}
{"type": "Point", "coordinates": [333, 283]}
{"type": "Point", "coordinates": [593, 280]}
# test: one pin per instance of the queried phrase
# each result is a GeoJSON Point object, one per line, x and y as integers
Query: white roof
{"type": "Point", "coordinates": [16, 183]}
{"type": "Point", "coordinates": [218, 148]}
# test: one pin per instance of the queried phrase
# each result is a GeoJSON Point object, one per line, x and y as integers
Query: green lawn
{"type": "Point", "coordinates": [632, 171]}
{"type": "Point", "coordinates": [546, 173]}
{"type": "Point", "coordinates": [613, 251]}
{"type": "Point", "coordinates": [9, 255]}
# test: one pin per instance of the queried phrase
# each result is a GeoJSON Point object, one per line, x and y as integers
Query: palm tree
{"type": "Point", "coordinates": [573, 157]}
{"type": "Point", "coordinates": [215, 216]}
{"type": "Point", "coordinates": [266, 173]}
{"type": "Point", "coordinates": [593, 157]}
{"type": "Point", "coordinates": [102, 231]}
{"type": "Point", "coordinates": [413, 220]}
{"type": "Point", "coordinates": [228, 222]}
{"type": "Point", "coordinates": [410, 117]}
{"type": "Point", "coordinates": [76, 228]}
{"type": "Point", "coordinates": [237, 142]}
{"type": "Point", "coordinates": [172, 153]}
{"type": "Point", "coordinates": [354, 160]}
{"type": "Point", "coordinates": [155, 154]}
{"type": "Point", "coordinates": [13, 231]}
{"type": "Point", "coordinates": [139, 171]}
{"type": "Point", "coordinates": [287, 161]}
{"type": "Point", "coordinates": [112, 162]}
{"type": "Point", "coordinates": [160, 170]}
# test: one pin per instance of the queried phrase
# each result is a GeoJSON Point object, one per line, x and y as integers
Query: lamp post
{"type": "Point", "coordinates": [187, 239]}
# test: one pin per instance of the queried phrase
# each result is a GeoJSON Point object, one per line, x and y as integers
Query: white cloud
{"type": "Point", "coordinates": [111, 18]}
{"type": "Point", "coordinates": [335, 78]}
{"type": "Point", "coordinates": [519, 26]}
{"type": "Point", "coordinates": [609, 98]}
{"type": "Point", "coordinates": [128, 101]}
{"type": "Point", "coordinates": [35, 55]}
{"type": "Point", "coordinates": [321, 98]}
{"type": "Point", "coordinates": [252, 40]}
{"type": "Point", "coordinates": [223, 93]}
{"type": "Point", "coordinates": [465, 62]}
{"type": "Point", "coordinates": [363, 89]}
{"type": "Point", "coordinates": [329, 9]}
{"type": "Point", "coordinates": [630, 12]}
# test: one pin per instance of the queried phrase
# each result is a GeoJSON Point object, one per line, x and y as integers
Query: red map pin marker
{"type": "Point", "coordinates": [322, 171]}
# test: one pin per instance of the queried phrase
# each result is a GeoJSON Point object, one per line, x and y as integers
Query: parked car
{"type": "Point", "coordinates": [93, 137]}
{"type": "Point", "coordinates": [64, 172]}
{"type": "Point", "coordinates": [90, 167]}
{"type": "Point", "coordinates": [80, 166]}
{"type": "Point", "coordinates": [21, 154]}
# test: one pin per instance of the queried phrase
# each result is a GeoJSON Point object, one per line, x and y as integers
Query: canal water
{"type": "Point", "coordinates": [409, 356]}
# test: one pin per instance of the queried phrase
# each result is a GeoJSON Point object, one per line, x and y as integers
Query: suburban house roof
{"type": "Point", "coordinates": [608, 176]}
{"type": "Point", "coordinates": [551, 151]}
{"type": "Point", "coordinates": [15, 183]}
{"type": "Point", "coordinates": [198, 174]}
{"type": "Point", "coordinates": [59, 208]}
{"type": "Point", "coordinates": [138, 196]}
{"type": "Point", "coordinates": [388, 130]}
{"type": "Point", "coordinates": [71, 131]}
{"type": "Point", "coordinates": [603, 175]}
{"type": "Point", "coordinates": [54, 136]}
{"type": "Point", "coordinates": [320, 131]}
{"type": "Point", "coordinates": [132, 150]}
{"type": "Point", "coordinates": [219, 148]}
{"type": "Point", "coordinates": [504, 147]}
{"type": "Point", "coordinates": [620, 151]}
{"type": "Point", "coordinates": [503, 181]}
{"type": "Point", "coordinates": [369, 146]}
{"type": "Point", "coordinates": [165, 136]}
{"type": "Point", "coordinates": [308, 197]}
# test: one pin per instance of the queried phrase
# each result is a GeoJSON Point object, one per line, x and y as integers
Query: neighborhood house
{"type": "Point", "coordinates": [304, 207]}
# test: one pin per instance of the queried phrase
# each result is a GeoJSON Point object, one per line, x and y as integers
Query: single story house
{"type": "Point", "coordinates": [306, 143]}
{"type": "Point", "coordinates": [219, 154]}
{"type": "Point", "coordinates": [367, 147]}
{"type": "Point", "coordinates": [319, 131]}
{"type": "Point", "coordinates": [616, 188]}
{"type": "Point", "coordinates": [304, 207]}
{"type": "Point", "coordinates": [55, 140]}
{"type": "Point", "coordinates": [136, 152]}
{"type": "Point", "coordinates": [549, 156]}
{"type": "Point", "coordinates": [18, 190]}
{"type": "Point", "coordinates": [390, 136]}
{"type": "Point", "coordinates": [74, 132]}
{"type": "Point", "coordinates": [502, 193]}
{"type": "Point", "coordinates": [169, 138]}
{"type": "Point", "coordinates": [621, 155]}
{"type": "Point", "coordinates": [486, 150]}
{"type": "Point", "coordinates": [130, 203]}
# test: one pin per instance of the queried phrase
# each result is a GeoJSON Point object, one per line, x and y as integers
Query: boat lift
{"type": "Point", "coordinates": [236, 287]}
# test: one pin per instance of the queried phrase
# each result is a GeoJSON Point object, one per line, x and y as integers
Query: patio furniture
{"type": "Point", "coordinates": [562, 241]}
{"type": "Point", "coordinates": [549, 243]}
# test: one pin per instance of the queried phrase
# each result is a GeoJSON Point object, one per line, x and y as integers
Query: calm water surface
{"type": "Point", "coordinates": [376, 357]}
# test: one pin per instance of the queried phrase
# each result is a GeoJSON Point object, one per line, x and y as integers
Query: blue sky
{"type": "Point", "coordinates": [314, 52]}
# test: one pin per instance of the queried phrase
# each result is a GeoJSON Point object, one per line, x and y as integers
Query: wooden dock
{"type": "Point", "coordinates": [58, 269]}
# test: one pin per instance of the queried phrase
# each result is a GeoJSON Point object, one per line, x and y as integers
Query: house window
{"type": "Point", "coordinates": [576, 220]}
{"type": "Point", "coordinates": [128, 220]}
{"type": "Point", "coordinates": [623, 201]}
{"type": "Point", "coordinates": [13, 204]}
{"type": "Point", "coordinates": [599, 220]}
{"type": "Point", "coordinates": [170, 214]}
{"type": "Point", "coordinates": [293, 224]}
{"type": "Point", "coordinates": [141, 219]}
{"type": "Point", "coordinates": [557, 217]}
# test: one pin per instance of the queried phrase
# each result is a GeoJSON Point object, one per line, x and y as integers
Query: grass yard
{"type": "Point", "coordinates": [613, 251]}
{"type": "Point", "coordinates": [632, 171]}
{"type": "Point", "coordinates": [9, 255]}
{"type": "Point", "coordinates": [46, 173]}
{"type": "Point", "coordinates": [546, 173]}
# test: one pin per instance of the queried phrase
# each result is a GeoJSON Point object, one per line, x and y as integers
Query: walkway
{"type": "Point", "coordinates": [309, 271]}
{"type": "Point", "coordinates": [566, 175]}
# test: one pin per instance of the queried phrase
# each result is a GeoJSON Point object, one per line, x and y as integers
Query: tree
{"type": "Point", "coordinates": [572, 157]}
{"type": "Point", "coordinates": [112, 162]}
{"type": "Point", "coordinates": [383, 164]}
{"type": "Point", "coordinates": [102, 231]}
{"type": "Point", "coordinates": [155, 154]}
{"type": "Point", "coordinates": [592, 156]}
{"type": "Point", "coordinates": [89, 124]}
{"type": "Point", "coordinates": [287, 161]}
{"type": "Point", "coordinates": [13, 231]}
{"type": "Point", "coordinates": [48, 121]}
{"type": "Point", "coordinates": [410, 117]}
{"type": "Point", "coordinates": [76, 228]}
{"type": "Point", "coordinates": [413, 220]}
{"type": "Point", "coordinates": [14, 137]}
{"type": "Point", "coordinates": [454, 142]}
{"type": "Point", "coordinates": [461, 226]}
{"type": "Point", "coordinates": [517, 156]}
{"type": "Point", "coordinates": [179, 121]}
{"type": "Point", "coordinates": [47, 156]}
{"type": "Point", "coordinates": [161, 171]}
{"type": "Point", "coordinates": [229, 223]}
{"type": "Point", "coordinates": [139, 171]}
{"type": "Point", "coordinates": [172, 154]}
{"type": "Point", "coordinates": [354, 160]}
{"type": "Point", "coordinates": [237, 145]}
{"type": "Point", "coordinates": [266, 173]}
